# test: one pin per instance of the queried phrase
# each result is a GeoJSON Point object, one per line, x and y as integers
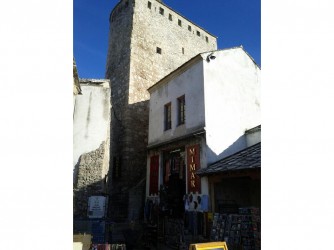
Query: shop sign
{"type": "Point", "coordinates": [96, 206]}
{"type": "Point", "coordinates": [193, 164]}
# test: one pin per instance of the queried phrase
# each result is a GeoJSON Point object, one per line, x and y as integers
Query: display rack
{"type": "Point", "coordinates": [240, 231]}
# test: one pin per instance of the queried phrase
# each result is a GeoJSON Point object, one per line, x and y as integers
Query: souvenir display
{"type": "Point", "coordinates": [239, 231]}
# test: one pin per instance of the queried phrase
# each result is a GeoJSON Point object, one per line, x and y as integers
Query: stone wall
{"type": "Point", "coordinates": [152, 31]}
{"type": "Point", "coordinates": [144, 46]}
{"type": "Point", "coordinates": [118, 71]}
{"type": "Point", "coordinates": [89, 180]}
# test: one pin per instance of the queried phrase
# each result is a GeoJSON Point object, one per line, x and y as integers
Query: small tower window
{"type": "Point", "coordinates": [170, 17]}
{"type": "Point", "coordinates": [206, 39]}
{"type": "Point", "coordinates": [158, 50]}
{"type": "Point", "coordinates": [198, 33]}
{"type": "Point", "coordinates": [179, 22]}
{"type": "Point", "coordinates": [183, 51]}
{"type": "Point", "coordinates": [161, 11]}
{"type": "Point", "coordinates": [189, 27]}
{"type": "Point", "coordinates": [149, 4]}
{"type": "Point", "coordinates": [113, 17]}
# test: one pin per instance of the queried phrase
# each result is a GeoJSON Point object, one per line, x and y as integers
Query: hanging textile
{"type": "Point", "coordinates": [154, 175]}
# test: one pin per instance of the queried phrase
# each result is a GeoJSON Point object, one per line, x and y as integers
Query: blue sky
{"type": "Point", "coordinates": [234, 22]}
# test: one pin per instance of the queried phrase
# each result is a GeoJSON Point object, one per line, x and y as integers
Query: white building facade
{"type": "Point", "coordinates": [198, 115]}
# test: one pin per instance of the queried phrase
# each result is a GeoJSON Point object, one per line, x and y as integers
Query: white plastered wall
{"type": "Point", "coordinates": [232, 101]}
{"type": "Point", "coordinates": [91, 119]}
{"type": "Point", "coordinates": [190, 84]}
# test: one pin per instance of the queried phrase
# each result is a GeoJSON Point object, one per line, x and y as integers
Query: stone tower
{"type": "Point", "coordinates": [147, 41]}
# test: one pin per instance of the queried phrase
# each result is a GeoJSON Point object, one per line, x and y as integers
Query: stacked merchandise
{"type": "Point", "coordinates": [218, 227]}
{"type": "Point", "coordinates": [227, 228]}
{"type": "Point", "coordinates": [232, 234]}
{"type": "Point", "coordinates": [250, 228]}
{"type": "Point", "coordinates": [239, 231]}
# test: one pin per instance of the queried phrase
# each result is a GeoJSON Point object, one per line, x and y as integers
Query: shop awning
{"type": "Point", "coordinates": [249, 158]}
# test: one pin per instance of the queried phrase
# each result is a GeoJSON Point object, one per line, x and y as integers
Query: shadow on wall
{"type": "Point", "coordinates": [129, 133]}
{"type": "Point", "coordinates": [236, 146]}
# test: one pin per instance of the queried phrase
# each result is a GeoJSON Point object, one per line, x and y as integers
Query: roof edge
{"type": "Point", "coordinates": [255, 145]}
{"type": "Point", "coordinates": [105, 83]}
{"type": "Point", "coordinates": [253, 130]}
{"type": "Point", "coordinates": [235, 47]}
{"type": "Point", "coordinates": [189, 20]}
{"type": "Point", "coordinates": [179, 70]}
{"type": "Point", "coordinates": [183, 67]}
{"type": "Point", "coordinates": [159, 144]}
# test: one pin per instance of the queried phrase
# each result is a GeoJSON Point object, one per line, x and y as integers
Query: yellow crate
{"type": "Point", "coordinates": [85, 239]}
{"type": "Point", "coordinates": [77, 246]}
{"type": "Point", "coordinates": [218, 245]}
